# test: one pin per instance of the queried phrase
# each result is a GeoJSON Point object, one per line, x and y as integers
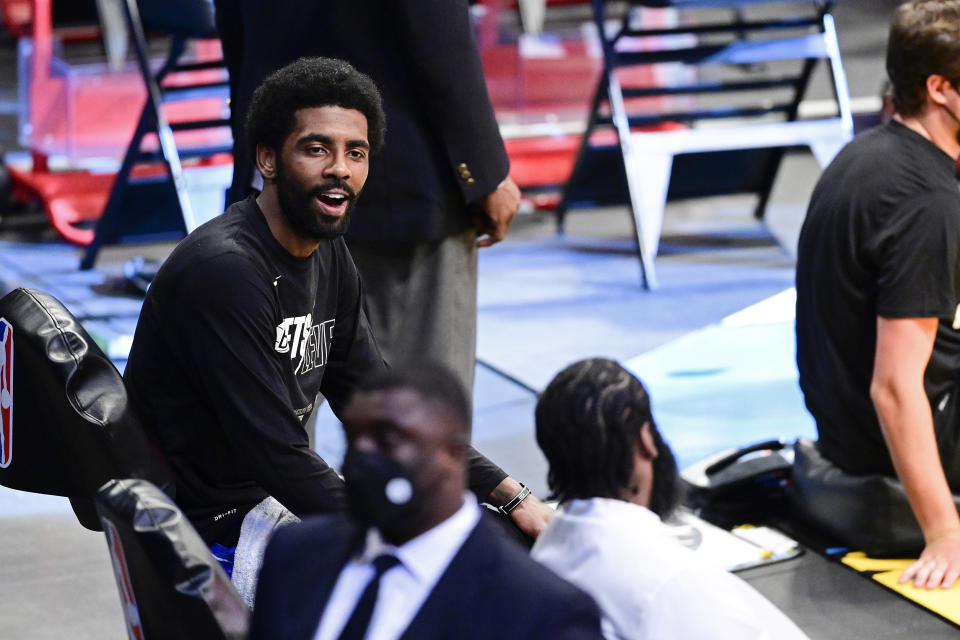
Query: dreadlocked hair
{"type": "Point", "coordinates": [588, 421]}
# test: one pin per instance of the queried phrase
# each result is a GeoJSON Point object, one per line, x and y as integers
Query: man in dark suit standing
{"type": "Point", "coordinates": [417, 559]}
{"type": "Point", "coordinates": [440, 187]}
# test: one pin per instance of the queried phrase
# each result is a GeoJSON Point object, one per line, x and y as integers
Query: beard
{"type": "Point", "coordinates": [298, 207]}
{"type": "Point", "coordinates": [665, 493]}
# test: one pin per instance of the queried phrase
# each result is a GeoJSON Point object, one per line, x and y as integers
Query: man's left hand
{"type": "Point", "coordinates": [531, 516]}
{"type": "Point", "coordinates": [495, 213]}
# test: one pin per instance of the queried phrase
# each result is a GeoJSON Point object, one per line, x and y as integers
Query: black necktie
{"type": "Point", "coordinates": [360, 618]}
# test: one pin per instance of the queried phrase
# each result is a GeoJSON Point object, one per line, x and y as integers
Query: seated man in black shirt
{"type": "Point", "coordinates": [259, 309]}
{"type": "Point", "coordinates": [878, 287]}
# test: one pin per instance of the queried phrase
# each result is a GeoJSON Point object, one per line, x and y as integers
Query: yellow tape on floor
{"type": "Point", "coordinates": [944, 602]}
{"type": "Point", "coordinates": [859, 561]}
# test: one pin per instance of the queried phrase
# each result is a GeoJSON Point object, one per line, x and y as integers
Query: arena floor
{"type": "Point", "coordinates": [719, 376]}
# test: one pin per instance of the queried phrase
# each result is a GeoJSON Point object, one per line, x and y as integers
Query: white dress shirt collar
{"type": "Point", "coordinates": [403, 589]}
{"type": "Point", "coordinates": [427, 555]}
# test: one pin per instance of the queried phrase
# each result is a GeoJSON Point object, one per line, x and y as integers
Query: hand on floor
{"type": "Point", "coordinates": [938, 565]}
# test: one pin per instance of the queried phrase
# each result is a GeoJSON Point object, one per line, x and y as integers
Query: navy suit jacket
{"type": "Point", "coordinates": [491, 590]}
{"type": "Point", "coordinates": [443, 147]}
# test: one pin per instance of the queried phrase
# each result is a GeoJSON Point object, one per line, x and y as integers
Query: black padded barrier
{"type": "Point", "coordinates": [867, 513]}
{"type": "Point", "coordinates": [169, 583]}
{"type": "Point", "coordinates": [72, 426]}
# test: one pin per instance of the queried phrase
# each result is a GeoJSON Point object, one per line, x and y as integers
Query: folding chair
{"type": "Point", "coordinates": [741, 52]}
{"type": "Point", "coordinates": [162, 195]}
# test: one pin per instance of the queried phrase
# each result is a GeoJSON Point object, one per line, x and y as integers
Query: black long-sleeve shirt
{"type": "Point", "coordinates": [235, 339]}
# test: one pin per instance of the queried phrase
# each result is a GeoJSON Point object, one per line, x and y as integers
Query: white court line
{"type": "Point", "coordinates": [775, 309]}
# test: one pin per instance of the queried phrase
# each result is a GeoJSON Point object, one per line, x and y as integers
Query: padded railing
{"type": "Point", "coordinates": [869, 513]}
{"type": "Point", "coordinates": [169, 583]}
{"type": "Point", "coordinates": [68, 427]}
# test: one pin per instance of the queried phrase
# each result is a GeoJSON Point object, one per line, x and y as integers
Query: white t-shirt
{"type": "Point", "coordinates": [647, 584]}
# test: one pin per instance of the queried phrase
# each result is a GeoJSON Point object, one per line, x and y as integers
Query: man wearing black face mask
{"type": "Point", "coordinates": [878, 290]}
{"type": "Point", "coordinates": [418, 559]}
{"type": "Point", "coordinates": [616, 479]}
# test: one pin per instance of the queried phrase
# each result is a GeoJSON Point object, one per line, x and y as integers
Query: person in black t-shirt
{"type": "Point", "coordinates": [259, 309]}
{"type": "Point", "coordinates": [878, 289]}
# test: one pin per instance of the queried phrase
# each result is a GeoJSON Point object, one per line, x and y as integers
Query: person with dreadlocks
{"type": "Point", "coordinates": [616, 479]}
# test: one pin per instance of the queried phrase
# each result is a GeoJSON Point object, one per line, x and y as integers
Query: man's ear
{"type": "Point", "coordinates": [457, 452]}
{"type": "Point", "coordinates": [645, 443]}
{"type": "Point", "coordinates": [937, 86]}
{"type": "Point", "coordinates": [266, 162]}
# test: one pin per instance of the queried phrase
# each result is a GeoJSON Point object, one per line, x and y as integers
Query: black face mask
{"type": "Point", "coordinates": [381, 492]}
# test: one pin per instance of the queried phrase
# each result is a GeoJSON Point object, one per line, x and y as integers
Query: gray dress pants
{"type": "Point", "coordinates": [421, 300]}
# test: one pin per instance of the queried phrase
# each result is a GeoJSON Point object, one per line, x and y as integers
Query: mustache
{"type": "Point", "coordinates": [333, 184]}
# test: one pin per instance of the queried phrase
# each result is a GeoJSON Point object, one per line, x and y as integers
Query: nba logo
{"type": "Point", "coordinates": [131, 612]}
{"type": "Point", "coordinates": [6, 393]}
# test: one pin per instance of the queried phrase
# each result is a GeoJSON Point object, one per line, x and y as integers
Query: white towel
{"type": "Point", "coordinates": [255, 532]}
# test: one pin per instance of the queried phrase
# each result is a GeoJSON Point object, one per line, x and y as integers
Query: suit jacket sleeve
{"type": "Point", "coordinates": [452, 89]}
{"type": "Point", "coordinates": [578, 619]}
{"type": "Point", "coordinates": [300, 567]}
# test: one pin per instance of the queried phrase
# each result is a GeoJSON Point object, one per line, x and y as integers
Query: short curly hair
{"type": "Point", "coordinates": [924, 40]}
{"type": "Point", "coordinates": [433, 381]}
{"type": "Point", "coordinates": [308, 83]}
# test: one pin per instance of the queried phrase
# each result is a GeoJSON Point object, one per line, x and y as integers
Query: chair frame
{"type": "Point", "coordinates": [117, 218]}
{"type": "Point", "coordinates": [647, 156]}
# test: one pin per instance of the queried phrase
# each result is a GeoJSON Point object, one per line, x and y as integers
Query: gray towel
{"type": "Point", "coordinates": [255, 532]}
